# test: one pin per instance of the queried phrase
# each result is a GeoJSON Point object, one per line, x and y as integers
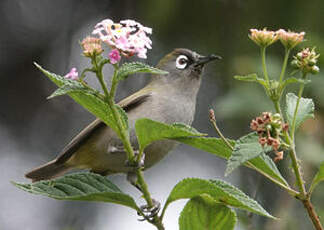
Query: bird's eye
{"type": "Point", "coordinates": [181, 62]}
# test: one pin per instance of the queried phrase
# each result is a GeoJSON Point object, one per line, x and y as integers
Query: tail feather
{"type": "Point", "coordinates": [47, 171]}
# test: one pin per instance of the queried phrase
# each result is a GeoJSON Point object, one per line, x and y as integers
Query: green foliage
{"type": "Point", "coordinates": [219, 191]}
{"type": "Point", "coordinates": [293, 80]}
{"type": "Point", "coordinates": [253, 77]}
{"type": "Point", "coordinates": [246, 148]}
{"type": "Point", "coordinates": [261, 163]}
{"type": "Point", "coordinates": [136, 67]}
{"type": "Point", "coordinates": [82, 187]}
{"type": "Point", "coordinates": [318, 178]}
{"type": "Point", "coordinates": [305, 109]}
{"type": "Point", "coordinates": [148, 131]}
{"type": "Point", "coordinates": [204, 214]}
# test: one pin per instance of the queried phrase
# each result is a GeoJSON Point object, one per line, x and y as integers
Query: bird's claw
{"type": "Point", "coordinates": [136, 164]}
{"type": "Point", "coordinates": [149, 212]}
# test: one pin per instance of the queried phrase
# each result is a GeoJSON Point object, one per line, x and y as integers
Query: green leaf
{"type": "Point", "coordinates": [212, 145]}
{"type": "Point", "coordinates": [73, 86]}
{"type": "Point", "coordinates": [305, 109]}
{"type": "Point", "coordinates": [81, 187]}
{"type": "Point", "coordinates": [148, 131]}
{"type": "Point", "coordinates": [136, 67]}
{"type": "Point", "coordinates": [89, 99]}
{"type": "Point", "coordinates": [318, 178]}
{"type": "Point", "coordinates": [246, 148]}
{"type": "Point", "coordinates": [262, 163]}
{"type": "Point", "coordinates": [219, 191]}
{"type": "Point", "coordinates": [253, 77]}
{"type": "Point", "coordinates": [293, 80]}
{"type": "Point", "coordinates": [202, 214]}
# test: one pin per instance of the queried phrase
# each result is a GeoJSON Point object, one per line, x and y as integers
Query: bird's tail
{"type": "Point", "coordinates": [47, 171]}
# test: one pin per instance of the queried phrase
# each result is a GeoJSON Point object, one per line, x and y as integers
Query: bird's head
{"type": "Point", "coordinates": [184, 63]}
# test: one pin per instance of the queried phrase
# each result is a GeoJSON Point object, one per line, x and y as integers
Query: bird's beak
{"type": "Point", "coordinates": [202, 60]}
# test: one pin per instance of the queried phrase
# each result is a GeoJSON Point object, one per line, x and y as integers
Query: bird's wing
{"type": "Point", "coordinates": [127, 104]}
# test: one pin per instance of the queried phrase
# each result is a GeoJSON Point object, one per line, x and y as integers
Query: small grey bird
{"type": "Point", "coordinates": [167, 98]}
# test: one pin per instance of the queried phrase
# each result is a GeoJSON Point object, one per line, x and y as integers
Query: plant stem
{"type": "Point", "coordinates": [302, 195]}
{"type": "Point", "coordinates": [312, 214]}
{"type": "Point", "coordinates": [157, 221]}
{"type": "Point", "coordinates": [114, 83]}
{"type": "Point", "coordinates": [284, 65]}
{"type": "Point", "coordinates": [124, 136]}
{"type": "Point", "coordinates": [264, 65]}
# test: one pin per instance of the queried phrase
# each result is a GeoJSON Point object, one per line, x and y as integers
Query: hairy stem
{"type": "Point", "coordinates": [312, 214]}
{"type": "Point", "coordinates": [284, 65]}
{"type": "Point", "coordinates": [124, 136]}
{"type": "Point", "coordinates": [264, 65]}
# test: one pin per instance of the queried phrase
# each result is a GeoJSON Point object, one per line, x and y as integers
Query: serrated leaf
{"type": "Point", "coordinates": [319, 177]}
{"type": "Point", "coordinates": [219, 191]}
{"type": "Point", "coordinates": [305, 109]}
{"type": "Point", "coordinates": [89, 99]}
{"type": "Point", "coordinates": [246, 148]}
{"type": "Point", "coordinates": [81, 187]}
{"type": "Point", "coordinates": [216, 146]}
{"type": "Point", "coordinates": [148, 131]}
{"type": "Point", "coordinates": [199, 214]}
{"type": "Point", "coordinates": [136, 67]}
{"type": "Point", "coordinates": [253, 77]}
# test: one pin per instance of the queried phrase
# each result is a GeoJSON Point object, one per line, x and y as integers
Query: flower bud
{"type": "Point", "coordinates": [91, 46]}
{"type": "Point", "coordinates": [294, 64]}
{"type": "Point", "coordinates": [315, 69]}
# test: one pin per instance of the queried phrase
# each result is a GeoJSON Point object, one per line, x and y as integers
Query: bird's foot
{"type": "Point", "coordinates": [137, 163]}
{"type": "Point", "coordinates": [149, 212]}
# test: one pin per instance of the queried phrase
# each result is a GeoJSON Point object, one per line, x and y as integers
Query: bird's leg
{"type": "Point", "coordinates": [150, 212]}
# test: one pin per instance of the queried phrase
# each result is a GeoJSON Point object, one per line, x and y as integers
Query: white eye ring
{"type": "Point", "coordinates": [181, 62]}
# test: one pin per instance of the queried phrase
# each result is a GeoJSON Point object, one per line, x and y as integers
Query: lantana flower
{"type": "Point", "coordinates": [73, 74]}
{"type": "Point", "coordinates": [91, 46]}
{"type": "Point", "coordinates": [128, 36]}
{"type": "Point", "coordinates": [290, 39]}
{"type": "Point", "coordinates": [263, 37]}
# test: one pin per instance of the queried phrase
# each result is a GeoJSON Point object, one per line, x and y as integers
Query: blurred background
{"type": "Point", "coordinates": [33, 130]}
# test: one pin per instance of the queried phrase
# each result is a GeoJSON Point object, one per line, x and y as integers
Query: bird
{"type": "Point", "coordinates": [166, 98]}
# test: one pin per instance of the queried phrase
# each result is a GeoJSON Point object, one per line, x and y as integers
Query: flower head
{"type": "Point", "coordinates": [306, 61]}
{"type": "Point", "coordinates": [114, 56]}
{"type": "Point", "coordinates": [73, 74]}
{"type": "Point", "coordinates": [263, 37]}
{"type": "Point", "coordinates": [91, 46]}
{"type": "Point", "coordinates": [290, 39]}
{"type": "Point", "coordinates": [128, 36]}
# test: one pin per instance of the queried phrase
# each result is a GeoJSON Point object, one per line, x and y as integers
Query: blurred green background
{"type": "Point", "coordinates": [33, 130]}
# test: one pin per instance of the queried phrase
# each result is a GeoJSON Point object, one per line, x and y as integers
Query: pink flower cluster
{"type": "Point", "coordinates": [128, 36]}
{"type": "Point", "coordinates": [269, 128]}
